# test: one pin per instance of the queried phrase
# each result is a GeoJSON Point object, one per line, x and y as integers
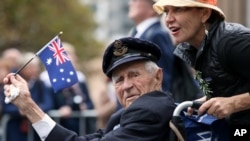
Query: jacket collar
{"type": "Point", "coordinates": [190, 54]}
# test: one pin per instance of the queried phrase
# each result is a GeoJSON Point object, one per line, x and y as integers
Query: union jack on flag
{"type": "Point", "coordinates": [61, 72]}
{"type": "Point", "coordinates": [59, 52]}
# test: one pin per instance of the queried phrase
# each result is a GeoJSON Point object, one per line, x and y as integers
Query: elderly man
{"type": "Point", "coordinates": [130, 63]}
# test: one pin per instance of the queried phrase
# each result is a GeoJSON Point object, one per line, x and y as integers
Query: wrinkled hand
{"type": "Point", "coordinates": [17, 82]}
{"type": "Point", "coordinates": [23, 101]}
{"type": "Point", "coordinates": [219, 107]}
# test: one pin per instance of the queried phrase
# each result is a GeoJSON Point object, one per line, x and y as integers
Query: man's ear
{"type": "Point", "coordinates": [159, 75]}
{"type": "Point", "coordinates": [206, 13]}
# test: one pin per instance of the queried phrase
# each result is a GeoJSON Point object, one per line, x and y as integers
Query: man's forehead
{"type": "Point", "coordinates": [129, 67]}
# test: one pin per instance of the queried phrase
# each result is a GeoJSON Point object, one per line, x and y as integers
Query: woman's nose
{"type": "Point", "coordinates": [169, 18]}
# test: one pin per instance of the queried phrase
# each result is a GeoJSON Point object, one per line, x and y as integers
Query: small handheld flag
{"type": "Point", "coordinates": [60, 69]}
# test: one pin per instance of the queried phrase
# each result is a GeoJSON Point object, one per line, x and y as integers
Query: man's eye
{"type": "Point", "coordinates": [136, 74]}
{"type": "Point", "coordinates": [118, 80]}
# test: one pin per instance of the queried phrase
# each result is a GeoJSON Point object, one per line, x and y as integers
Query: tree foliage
{"type": "Point", "coordinates": [30, 24]}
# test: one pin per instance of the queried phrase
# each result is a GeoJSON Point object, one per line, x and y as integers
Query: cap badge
{"type": "Point", "coordinates": [119, 48]}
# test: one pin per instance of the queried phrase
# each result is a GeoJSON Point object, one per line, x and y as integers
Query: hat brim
{"type": "Point", "coordinates": [160, 4]}
{"type": "Point", "coordinates": [123, 61]}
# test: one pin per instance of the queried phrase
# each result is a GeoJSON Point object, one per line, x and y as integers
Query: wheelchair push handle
{"type": "Point", "coordinates": [185, 104]}
{"type": "Point", "coordinates": [197, 104]}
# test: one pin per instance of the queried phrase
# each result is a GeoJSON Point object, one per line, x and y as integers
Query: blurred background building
{"type": "Point", "coordinates": [111, 18]}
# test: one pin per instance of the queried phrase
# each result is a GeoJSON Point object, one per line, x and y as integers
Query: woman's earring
{"type": "Point", "coordinates": [206, 31]}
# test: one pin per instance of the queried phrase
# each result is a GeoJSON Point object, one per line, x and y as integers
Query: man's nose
{"type": "Point", "coordinates": [127, 84]}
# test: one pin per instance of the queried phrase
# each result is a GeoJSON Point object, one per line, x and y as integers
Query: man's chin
{"type": "Point", "coordinates": [130, 100]}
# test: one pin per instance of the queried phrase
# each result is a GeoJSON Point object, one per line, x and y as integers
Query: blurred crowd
{"type": "Point", "coordinates": [66, 102]}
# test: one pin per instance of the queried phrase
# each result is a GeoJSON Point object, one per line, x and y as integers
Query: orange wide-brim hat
{"type": "Point", "coordinates": [212, 4]}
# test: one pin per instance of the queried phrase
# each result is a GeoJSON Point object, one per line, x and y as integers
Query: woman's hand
{"type": "Point", "coordinates": [190, 110]}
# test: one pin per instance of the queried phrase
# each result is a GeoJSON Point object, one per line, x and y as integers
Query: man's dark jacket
{"type": "Point", "coordinates": [225, 42]}
{"type": "Point", "coordinates": [147, 119]}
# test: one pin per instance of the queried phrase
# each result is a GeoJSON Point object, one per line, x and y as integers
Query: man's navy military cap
{"type": "Point", "coordinates": [126, 50]}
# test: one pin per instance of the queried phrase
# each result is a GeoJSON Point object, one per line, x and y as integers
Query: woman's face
{"type": "Point", "coordinates": [185, 24]}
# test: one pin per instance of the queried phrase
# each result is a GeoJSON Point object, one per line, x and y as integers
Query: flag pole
{"type": "Point", "coordinates": [21, 68]}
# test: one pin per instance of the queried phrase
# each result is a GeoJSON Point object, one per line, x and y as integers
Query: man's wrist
{"type": "Point", "coordinates": [32, 111]}
{"type": "Point", "coordinates": [44, 127]}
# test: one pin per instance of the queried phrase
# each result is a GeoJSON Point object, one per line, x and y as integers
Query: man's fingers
{"type": "Point", "coordinates": [18, 78]}
{"type": "Point", "coordinates": [6, 79]}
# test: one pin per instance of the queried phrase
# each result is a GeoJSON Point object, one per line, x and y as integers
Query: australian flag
{"type": "Point", "coordinates": [60, 69]}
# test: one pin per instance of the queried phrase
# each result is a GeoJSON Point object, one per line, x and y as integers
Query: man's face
{"type": "Point", "coordinates": [140, 10]}
{"type": "Point", "coordinates": [132, 80]}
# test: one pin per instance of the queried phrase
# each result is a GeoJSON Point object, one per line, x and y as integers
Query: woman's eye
{"type": "Point", "coordinates": [178, 9]}
{"type": "Point", "coordinates": [166, 12]}
{"type": "Point", "coordinates": [182, 9]}
{"type": "Point", "coordinates": [174, 10]}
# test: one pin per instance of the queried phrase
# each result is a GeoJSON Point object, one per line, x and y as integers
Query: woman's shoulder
{"type": "Point", "coordinates": [232, 29]}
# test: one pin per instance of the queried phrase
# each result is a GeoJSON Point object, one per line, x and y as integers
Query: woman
{"type": "Point", "coordinates": [217, 50]}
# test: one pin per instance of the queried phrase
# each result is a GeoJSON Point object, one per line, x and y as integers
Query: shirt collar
{"type": "Point", "coordinates": [144, 25]}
